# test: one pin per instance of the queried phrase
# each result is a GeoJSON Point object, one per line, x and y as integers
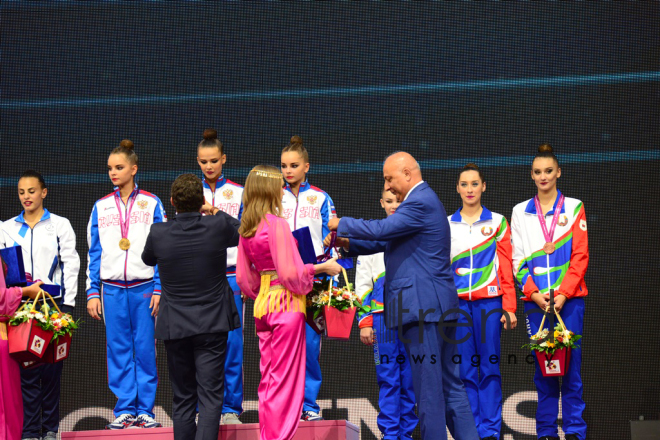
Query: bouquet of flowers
{"type": "Point", "coordinates": [40, 335]}
{"type": "Point", "coordinates": [553, 354]}
{"type": "Point", "coordinates": [562, 339]}
{"type": "Point", "coordinates": [333, 308]}
{"type": "Point", "coordinates": [61, 324]}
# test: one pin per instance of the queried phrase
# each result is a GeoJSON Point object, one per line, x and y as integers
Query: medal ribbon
{"type": "Point", "coordinates": [124, 223]}
{"type": "Point", "coordinates": [555, 218]}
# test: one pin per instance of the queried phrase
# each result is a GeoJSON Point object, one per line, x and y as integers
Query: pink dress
{"type": "Point", "coordinates": [270, 271]}
{"type": "Point", "coordinates": [11, 399]}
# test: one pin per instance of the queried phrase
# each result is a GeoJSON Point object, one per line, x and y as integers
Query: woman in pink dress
{"type": "Point", "coordinates": [11, 399]}
{"type": "Point", "coordinates": [270, 271]}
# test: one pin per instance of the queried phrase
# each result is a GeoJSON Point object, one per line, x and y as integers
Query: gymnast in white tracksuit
{"type": "Point", "coordinates": [48, 244]}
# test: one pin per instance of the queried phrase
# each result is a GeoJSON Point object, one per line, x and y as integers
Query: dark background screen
{"type": "Point", "coordinates": [449, 83]}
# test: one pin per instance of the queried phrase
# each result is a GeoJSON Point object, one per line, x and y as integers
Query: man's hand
{"type": "Point", "coordinates": [333, 224]}
{"type": "Point", "coordinates": [153, 305]}
{"type": "Point", "coordinates": [339, 241]}
{"type": "Point", "coordinates": [367, 335]}
{"type": "Point", "coordinates": [94, 308]}
{"type": "Point", "coordinates": [208, 209]}
{"type": "Point", "coordinates": [512, 319]}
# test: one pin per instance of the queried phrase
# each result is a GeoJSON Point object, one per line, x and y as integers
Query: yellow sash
{"type": "Point", "coordinates": [3, 331]}
{"type": "Point", "coordinates": [276, 298]}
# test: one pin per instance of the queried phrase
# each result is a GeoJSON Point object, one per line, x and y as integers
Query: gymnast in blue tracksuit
{"type": "Point", "coordinates": [306, 205]}
{"type": "Point", "coordinates": [125, 290]}
{"type": "Point", "coordinates": [227, 196]}
{"type": "Point", "coordinates": [396, 397]}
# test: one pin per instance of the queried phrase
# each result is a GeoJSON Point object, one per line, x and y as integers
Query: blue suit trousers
{"type": "Point", "coordinates": [441, 398]}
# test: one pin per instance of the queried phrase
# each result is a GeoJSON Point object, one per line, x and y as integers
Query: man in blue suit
{"type": "Point", "coordinates": [420, 295]}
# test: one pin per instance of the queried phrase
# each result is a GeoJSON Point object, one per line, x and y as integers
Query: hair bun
{"type": "Point", "coordinates": [296, 140]}
{"type": "Point", "coordinates": [210, 134]}
{"type": "Point", "coordinates": [127, 143]}
{"type": "Point", "coordinates": [545, 148]}
{"type": "Point", "coordinates": [471, 166]}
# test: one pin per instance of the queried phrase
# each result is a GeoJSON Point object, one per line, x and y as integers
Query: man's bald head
{"type": "Point", "coordinates": [401, 172]}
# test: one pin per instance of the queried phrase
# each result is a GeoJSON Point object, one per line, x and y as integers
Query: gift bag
{"type": "Point", "coordinates": [338, 323]}
{"type": "Point", "coordinates": [28, 341]}
{"type": "Point", "coordinates": [58, 350]}
{"type": "Point", "coordinates": [555, 364]}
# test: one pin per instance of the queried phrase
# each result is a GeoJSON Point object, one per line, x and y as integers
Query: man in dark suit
{"type": "Point", "coordinates": [420, 295]}
{"type": "Point", "coordinates": [197, 307]}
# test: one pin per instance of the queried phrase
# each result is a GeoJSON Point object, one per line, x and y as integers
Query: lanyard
{"type": "Point", "coordinates": [555, 218]}
{"type": "Point", "coordinates": [125, 222]}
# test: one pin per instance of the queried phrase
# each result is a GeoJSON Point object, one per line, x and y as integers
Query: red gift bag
{"type": "Point", "coordinates": [338, 323]}
{"type": "Point", "coordinates": [58, 350]}
{"type": "Point", "coordinates": [27, 341]}
{"type": "Point", "coordinates": [318, 324]}
{"type": "Point", "coordinates": [554, 364]}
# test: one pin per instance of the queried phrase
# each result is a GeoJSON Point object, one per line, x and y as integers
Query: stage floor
{"type": "Point", "coordinates": [323, 430]}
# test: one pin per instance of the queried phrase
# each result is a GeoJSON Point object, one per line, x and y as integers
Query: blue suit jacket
{"type": "Point", "coordinates": [416, 241]}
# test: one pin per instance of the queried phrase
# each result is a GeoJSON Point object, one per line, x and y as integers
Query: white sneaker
{"type": "Point", "coordinates": [121, 422]}
{"type": "Point", "coordinates": [310, 416]}
{"type": "Point", "coordinates": [145, 421]}
{"type": "Point", "coordinates": [230, 419]}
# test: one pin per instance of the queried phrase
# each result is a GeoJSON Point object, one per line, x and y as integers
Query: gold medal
{"type": "Point", "coordinates": [549, 248]}
{"type": "Point", "coordinates": [124, 244]}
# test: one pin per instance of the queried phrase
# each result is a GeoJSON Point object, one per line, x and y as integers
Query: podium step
{"type": "Point", "coordinates": [323, 430]}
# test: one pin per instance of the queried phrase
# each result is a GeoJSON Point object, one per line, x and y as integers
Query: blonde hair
{"type": "Point", "coordinates": [262, 194]}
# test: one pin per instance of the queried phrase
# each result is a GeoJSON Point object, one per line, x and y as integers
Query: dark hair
{"type": "Point", "coordinates": [211, 140]}
{"type": "Point", "coordinates": [470, 167]}
{"type": "Point", "coordinates": [296, 144]}
{"type": "Point", "coordinates": [36, 175]}
{"type": "Point", "coordinates": [187, 193]}
{"type": "Point", "coordinates": [127, 148]}
{"type": "Point", "coordinates": [545, 150]}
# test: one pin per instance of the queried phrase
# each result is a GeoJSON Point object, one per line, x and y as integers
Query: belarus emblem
{"type": "Point", "coordinates": [486, 230]}
{"type": "Point", "coordinates": [311, 199]}
{"type": "Point", "coordinates": [563, 220]}
{"type": "Point", "coordinates": [228, 193]}
{"type": "Point", "coordinates": [142, 204]}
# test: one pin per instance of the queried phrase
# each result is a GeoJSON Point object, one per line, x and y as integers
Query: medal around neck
{"type": "Point", "coordinates": [549, 248]}
{"type": "Point", "coordinates": [124, 244]}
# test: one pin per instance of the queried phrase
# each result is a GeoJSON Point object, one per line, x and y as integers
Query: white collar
{"type": "Point", "coordinates": [411, 189]}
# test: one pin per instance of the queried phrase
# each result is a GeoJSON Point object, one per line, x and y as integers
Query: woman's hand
{"type": "Point", "coordinates": [541, 300]}
{"type": "Point", "coordinates": [32, 290]}
{"type": "Point", "coordinates": [330, 267]}
{"type": "Point", "coordinates": [367, 335]}
{"type": "Point", "coordinates": [560, 300]}
{"type": "Point", "coordinates": [512, 319]}
{"type": "Point", "coordinates": [94, 308]}
{"type": "Point", "coordinates": [153, 305]}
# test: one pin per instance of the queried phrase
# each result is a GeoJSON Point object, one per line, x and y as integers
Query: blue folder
{"type": "Point", "coordinates": [305, 245]}
{"type": "Point", "coordinates": [13, 259]}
